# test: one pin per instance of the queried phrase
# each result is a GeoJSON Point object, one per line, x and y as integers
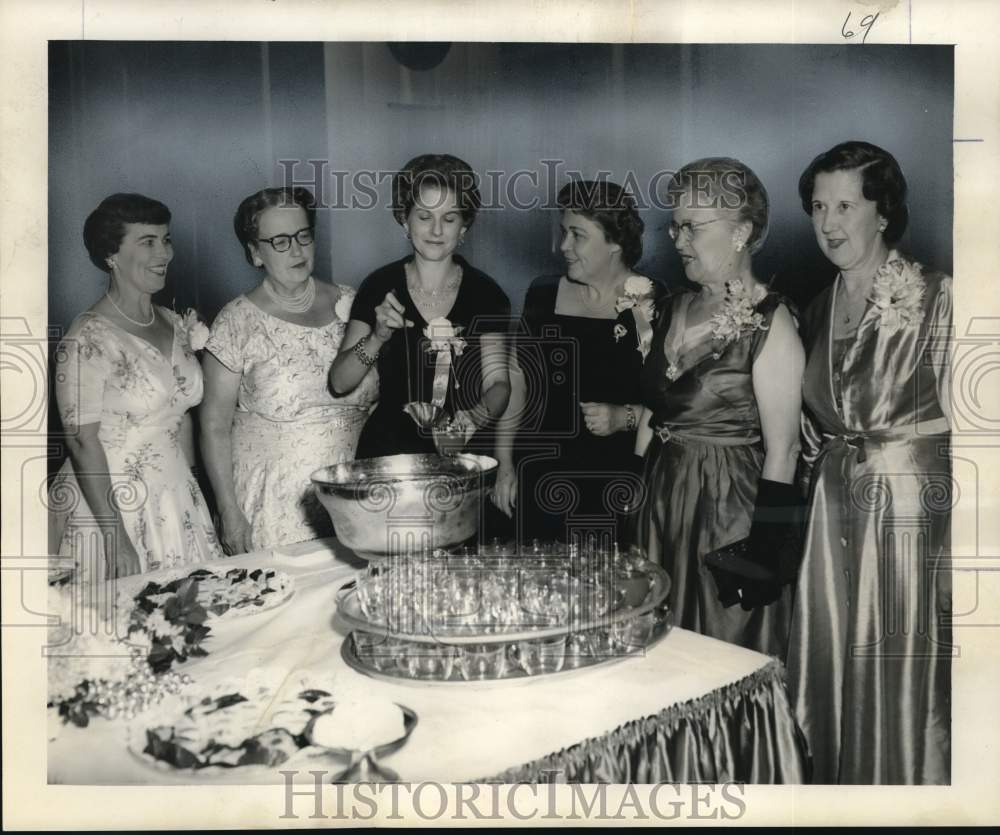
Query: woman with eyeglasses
{"type": "Point", "coordinates": [869, 658]}
{"type": "Point", "coordinates": [720, 424]}
{"type": "Point", "coordinates": [268, 418]}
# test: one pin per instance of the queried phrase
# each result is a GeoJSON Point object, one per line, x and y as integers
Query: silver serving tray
{"type": "Point", "coordinates": [514, 674]}
{"type": "Point", "coordinates": [350, 615]}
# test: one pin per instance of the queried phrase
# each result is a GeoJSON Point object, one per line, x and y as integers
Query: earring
{"type": "Point", "coordinates": [739, 246]}
{"type": "Point", "coordinates": [111, 263]}
{"type": "Point", "coordinates": [882, 225]}
{"type": "Point", "coordinates": [406, 232]}
{"type": "Point", "coordinates": [461, 240]}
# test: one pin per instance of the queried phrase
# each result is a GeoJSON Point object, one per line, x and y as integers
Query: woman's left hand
{"type": "Point", "coordinates": [603, 418]}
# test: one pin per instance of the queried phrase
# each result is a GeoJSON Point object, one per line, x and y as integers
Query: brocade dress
{"type": "Point", "coordinates": [106, 375]}
{"type": "Point", "coordinates": [287, 424]}
{"type": "Point", "coordinates": [702, 468]}
{"type": "Point", "coordinates": [870, 646]}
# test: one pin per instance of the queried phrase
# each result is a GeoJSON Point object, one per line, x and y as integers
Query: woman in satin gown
{"type": "Point", "coordinates": [869, 656]}
{"type": "Point", "coordinates": [720, 423]}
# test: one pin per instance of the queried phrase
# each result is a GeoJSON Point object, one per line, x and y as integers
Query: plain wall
{"type": "Point", "coordinates": [202, 125]}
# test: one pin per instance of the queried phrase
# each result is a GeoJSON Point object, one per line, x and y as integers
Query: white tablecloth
{"type": "Point", "coordinates": [465, 731]}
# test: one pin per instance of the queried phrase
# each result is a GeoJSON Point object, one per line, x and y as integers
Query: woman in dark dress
{"type": "Point", "coordinates": [575, 397]}
{"type": "Point", "coordinates": [869, 657]}
{"type": "Point", "coordinates": [433, 324]}
{"type": "Point", "coordinates": [720, 428]}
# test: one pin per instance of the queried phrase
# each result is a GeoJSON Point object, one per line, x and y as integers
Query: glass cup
{"type": "Point", "coordinates": [377, 651]}
{"type": "Point", "coordinates": [634, 633]}
{"type": "Point", "coordinates": [482, 662]}
{"type": "Point", "coordinates": [542, 655]}
{"type": "Point", "coordinates": [371, 594]}
{"type": "Point", "coordinates": [427, 661]}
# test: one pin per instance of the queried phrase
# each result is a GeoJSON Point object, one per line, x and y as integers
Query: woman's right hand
{"type": "Point", "coordinates": [236, 536]}
{"type": "Point", "coordinates": [389, 317]}
{"type": "Point", "coordinates": [125, 560]}
{"type": "Point", "coordinates": [505, 490]}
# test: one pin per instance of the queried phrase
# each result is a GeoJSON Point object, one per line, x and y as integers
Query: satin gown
{"type": "Point", "coordinates": [870, 646]}
{"type": "Point", "coordinates": [702, 478]}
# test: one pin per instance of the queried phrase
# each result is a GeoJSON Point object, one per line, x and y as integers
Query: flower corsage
{"type": "Point", "coordinates": [197, 331]}
{"type": "Point", "coordinates": [443, 339]}
{"type": "Point", "coordinates": [898, 294]}
{"type": "Point", "coordinates": [738, 315]}
{"type": "Point", "coordinates": [638, 297]}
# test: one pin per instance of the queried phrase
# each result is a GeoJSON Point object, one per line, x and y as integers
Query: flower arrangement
{"type": "Point", "coordinates": [197, 331]}
{"type": "Point", "coordinates": [171, 619]}
{"type": "Point", "coordinates": [898, 293]}
{"type": "Point", "coordinates": [638, 297]}
{"type": "Point", "coordinates": [96, 673]}
{"type": "Point", "coordinates": [738, 315]}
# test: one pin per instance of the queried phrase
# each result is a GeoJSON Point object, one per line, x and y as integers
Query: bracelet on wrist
{"type": "Point", "coordinates": [367, 360]}
{"type": "Point", "coordinates": [631, 419]}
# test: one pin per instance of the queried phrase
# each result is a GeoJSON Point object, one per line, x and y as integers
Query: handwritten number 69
{"type": "Point", "coordinates": [866, 24]}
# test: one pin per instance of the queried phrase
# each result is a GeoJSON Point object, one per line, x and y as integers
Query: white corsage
{"type": "Point", "coordinates": [197, 331]}
{"type": "Point", "coordinates": [638, 297]}
{"type": "Point", "coordinates": [445, 341]}
{"type": "Point", "coordinates": [737, 317]}
{"type": "Point", "coordinates": [343, 306]}
{"type": "Point", "coordinates": [898, 293]}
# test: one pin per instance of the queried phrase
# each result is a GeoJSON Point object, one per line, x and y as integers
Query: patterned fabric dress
{"type": "Point", "coordinates": [105, 374]}
{"type": "Point", "coordinates": [869, 657]}
{"type": "Point", "coordinates": [702, 469]}
{"type": "Point", "coordinates": [287, 423]}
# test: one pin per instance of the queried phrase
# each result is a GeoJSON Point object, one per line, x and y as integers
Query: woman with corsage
{"type": "Point", "coordinates": [268, 419]}
{"type": "Point", "coordinates": [126, 378]}
{"type": "Point", "coordinates": [583, 338]}
{"type": "Point", "coordinates": [870, 646]}
{"type": "Point", "coordinates": [432, 325]}
{"type": "Point", "coordinates": [720, 425]}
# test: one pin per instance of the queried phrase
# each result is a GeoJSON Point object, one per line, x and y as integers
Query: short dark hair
{"type": "Point", "coordinates": [246, 222]}
{"type": "Point", "coordinates": [443, 171]}
{"type": "Point", "coordinates": [104, 228]}
{"type": "Point", "coordinates": [612, 208]}
{"type": "Point", "coordinates": [734, 184]}
{"type": "Point", "coordinates": [882, 181]}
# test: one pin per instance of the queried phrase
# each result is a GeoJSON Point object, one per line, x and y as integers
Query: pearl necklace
{"type": "Point", "coordinates": [124, 315]}
{"type": "Point", "coordinates": [298, 304]}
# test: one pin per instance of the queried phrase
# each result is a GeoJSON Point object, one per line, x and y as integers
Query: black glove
{"type": "Point", "coordinates": [755, 569]}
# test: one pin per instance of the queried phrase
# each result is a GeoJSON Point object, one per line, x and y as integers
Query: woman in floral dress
{"type": "Point", "coordinates": [268, 419]}
{"type": "Point", "coordinates": [126, 376]}
{"type": "Point", "coordinates": [720, 423]}
{"type": "Point", "coordinates": [870, 647]}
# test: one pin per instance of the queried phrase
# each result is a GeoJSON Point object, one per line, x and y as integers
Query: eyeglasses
{"type": "Point", "coordinates": [283, 243]}
{"type": "Point", "coordinates": [687, 228]}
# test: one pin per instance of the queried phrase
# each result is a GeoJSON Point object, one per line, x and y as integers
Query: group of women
{"type": "Point", "coordinates": [701, 423]}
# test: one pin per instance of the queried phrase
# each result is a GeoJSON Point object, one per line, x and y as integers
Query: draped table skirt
{"type": "Point", "coordinates": [691, 709]}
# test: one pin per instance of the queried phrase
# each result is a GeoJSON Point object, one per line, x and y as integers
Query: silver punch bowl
{"type": "Point", "coordinates": [401, 504]}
